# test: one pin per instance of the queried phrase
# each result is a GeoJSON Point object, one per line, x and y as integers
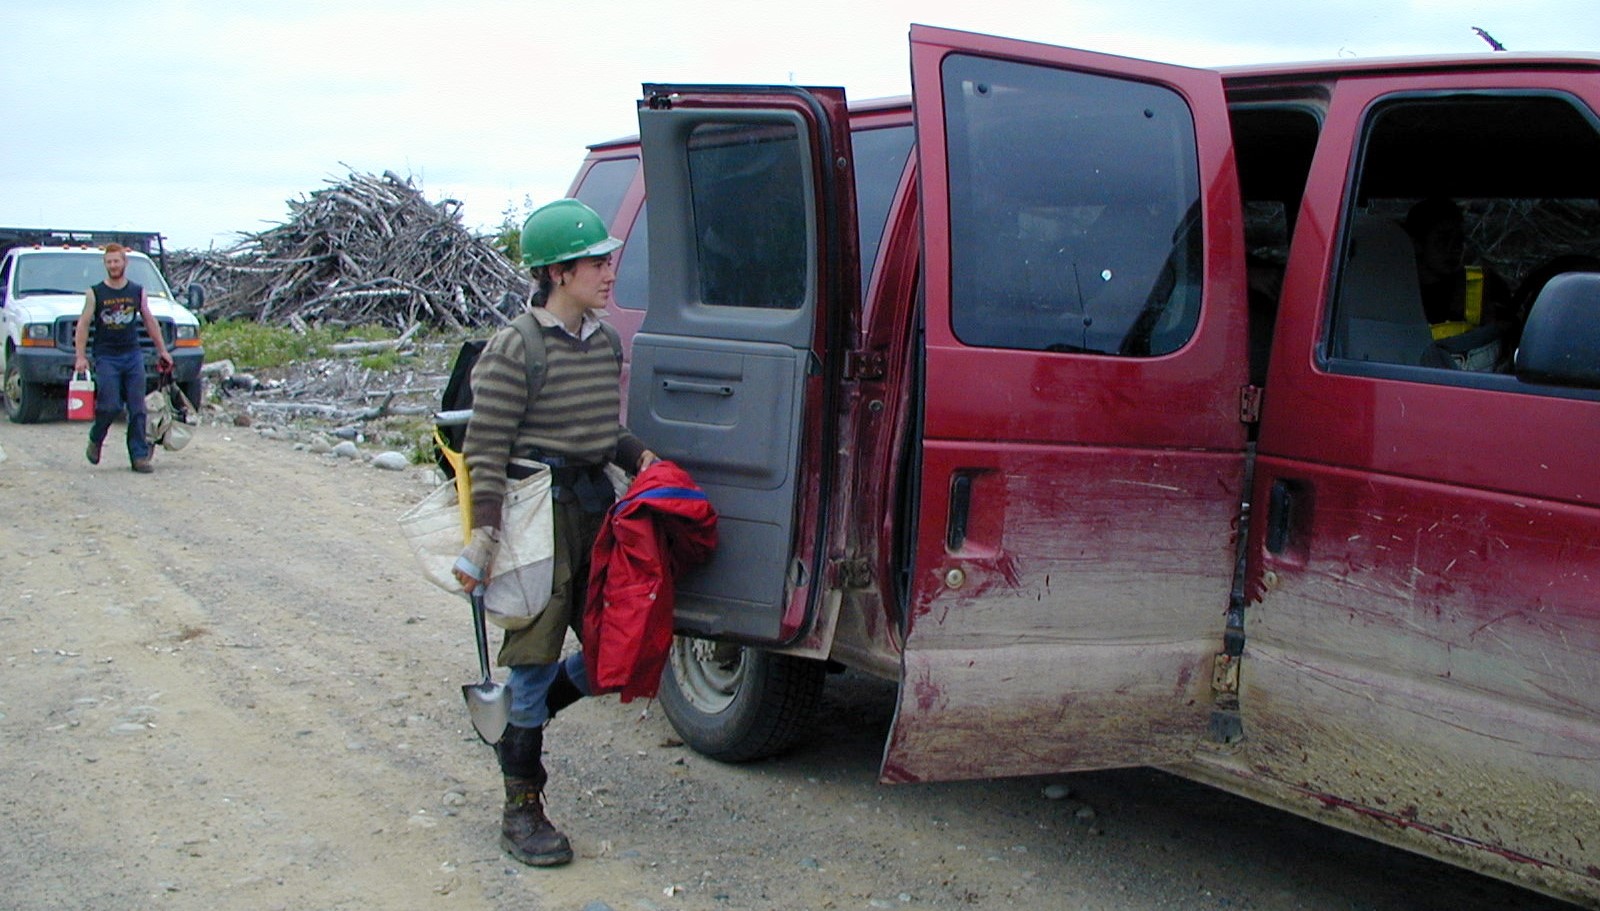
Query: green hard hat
{"type": "Point", "coordinates": [565, 229]}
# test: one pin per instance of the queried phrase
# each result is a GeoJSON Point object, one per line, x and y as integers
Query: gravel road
{"type": "Point", "coordinates": [223, 686]}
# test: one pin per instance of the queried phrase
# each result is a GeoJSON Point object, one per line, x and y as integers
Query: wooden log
{"type": "Point", "coordinates": [379, 345]}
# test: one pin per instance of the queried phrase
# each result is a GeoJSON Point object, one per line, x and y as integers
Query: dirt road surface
{"type": "Point", "coordinates": [224, 686]}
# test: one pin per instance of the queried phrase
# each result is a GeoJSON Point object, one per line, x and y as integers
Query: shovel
{"type": "Point", "coordinates": [488, 703]}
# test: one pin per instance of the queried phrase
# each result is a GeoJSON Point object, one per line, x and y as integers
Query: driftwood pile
{"type": "Point", "coordinates": [366, 250]}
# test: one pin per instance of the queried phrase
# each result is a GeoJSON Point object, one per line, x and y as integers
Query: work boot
{"type": "Point", "coordinates": [562, 693]}
{"type": "Point", "coordinates": [526, 833]}
{"type": "Point", "coordinates": [142, 466]}
{"type": "Point", "coordinates": [92, 453]}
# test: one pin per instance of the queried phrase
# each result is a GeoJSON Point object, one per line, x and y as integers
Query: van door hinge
{"type": "Point", "coordinates": [1225, 675]}
{"type": "Point", "coordinates": [1249, 404]}
{"type": "Point", "coordinates": [864, 365]}
{"type": "Point", "coordinates": [848, 574]}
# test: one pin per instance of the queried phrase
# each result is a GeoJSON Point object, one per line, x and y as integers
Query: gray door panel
{"type": "Point", "coordinates": [728, 412]}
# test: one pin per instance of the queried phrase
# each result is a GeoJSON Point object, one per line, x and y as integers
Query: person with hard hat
{"type": "Point", "coordinates": [566, 418]}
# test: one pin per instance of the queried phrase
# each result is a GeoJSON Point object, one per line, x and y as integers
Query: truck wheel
{"type": "Point", "coordinates": [736, 704]}
{"type": "Point", "coordinates": [24, 401]}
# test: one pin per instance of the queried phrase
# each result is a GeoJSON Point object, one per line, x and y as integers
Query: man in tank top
{"type": "Point", "coordinates": [115, 309]}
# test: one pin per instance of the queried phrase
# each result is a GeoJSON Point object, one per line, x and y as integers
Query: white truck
{"type": "Point", "coordinates": [43, 277]}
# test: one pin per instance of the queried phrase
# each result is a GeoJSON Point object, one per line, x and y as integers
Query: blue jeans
{"type": "Point", "coordinates": [530, 684]}
{"type": "Point", "coordinates": [119, 383]}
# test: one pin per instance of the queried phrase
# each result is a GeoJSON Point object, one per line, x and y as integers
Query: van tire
{"type": "Point", "coordinates": [734, 703]}
{"type": "Point", "coordinates": [24, 400]}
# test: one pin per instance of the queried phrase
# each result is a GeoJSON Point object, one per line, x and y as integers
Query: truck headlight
{"type": "Point", "coordinates": [186, 336]}
{"type": "Point", "coordinates": [39, 335]}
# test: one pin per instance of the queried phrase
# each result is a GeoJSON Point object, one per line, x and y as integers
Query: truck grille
{"type": "Point", "coordinates": [66, 326]}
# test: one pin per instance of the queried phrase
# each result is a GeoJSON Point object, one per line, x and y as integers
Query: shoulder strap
{"type": "Point", "coordinates": [533, 351]}
{"type": "Point", "coordinates": [615, 340]}
{"type": "Point", "coordinates": [534, 348]}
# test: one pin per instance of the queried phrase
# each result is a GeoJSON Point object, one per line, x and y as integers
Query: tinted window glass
{"type": "Point", "coordinates": [633, 269]}
{"type": "Point", "coordinates": [605, 185]}
{"type": "Point", "coordinates": [1074, 202]}
{"type": "Point", "coordinates": [1466, 206]}
{"type": "Point", "coordinates": [748, 189]}
{"type": "Point", "coordinates": [880, 159]}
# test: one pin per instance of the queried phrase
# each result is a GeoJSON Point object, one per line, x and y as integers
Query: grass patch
{"type": "Point", "coordinates": [251, 345]}
{"type": "Point", "coordinates": [383, 360]}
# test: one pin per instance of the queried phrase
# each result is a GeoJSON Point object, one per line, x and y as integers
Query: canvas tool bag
{"type": "Point", "coordinates": [158, 414]}
{"type": "Point", "coordinates": [179, 433]}
{"type": "Point", "coordinates": [520, 579]}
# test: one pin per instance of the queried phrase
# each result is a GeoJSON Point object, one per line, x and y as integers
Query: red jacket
{"type": "Point", "coordinates": [662, 526]}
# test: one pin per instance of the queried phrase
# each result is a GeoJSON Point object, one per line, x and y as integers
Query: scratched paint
{"type": "Point", "coordinates": [1061, 648]}
{"type": "Point", "coordinates": [1432, 655]}
{"type": "Point", "coordinates": [1489, 786]}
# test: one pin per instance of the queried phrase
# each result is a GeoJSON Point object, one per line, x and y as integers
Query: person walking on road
{"type": "Point", "coordinates": [569, 421]}
{"type": "Point", "coordinates": [115, 309]}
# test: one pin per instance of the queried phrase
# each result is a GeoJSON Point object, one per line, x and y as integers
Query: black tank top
{"type": "Point", "coordinates": [116, 318]}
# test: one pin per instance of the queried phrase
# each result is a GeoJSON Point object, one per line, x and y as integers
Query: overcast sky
{"type": "Point", "coordinates": [201, 118]}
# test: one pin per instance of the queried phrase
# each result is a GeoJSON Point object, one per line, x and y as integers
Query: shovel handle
{"type": "Point", "coordinates": [482, 633]}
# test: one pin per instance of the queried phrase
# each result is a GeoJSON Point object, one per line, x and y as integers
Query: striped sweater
{"type": "Point", "coordinates": [574, 416]}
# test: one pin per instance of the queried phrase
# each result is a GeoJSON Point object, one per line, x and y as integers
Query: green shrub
{"type": "Point", "coordinates": [253, 345]}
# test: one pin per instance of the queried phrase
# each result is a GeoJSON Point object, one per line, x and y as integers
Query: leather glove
{"type": "Point", "coordinates": [478, 556]}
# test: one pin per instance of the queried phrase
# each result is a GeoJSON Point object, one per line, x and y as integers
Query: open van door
{"type": "Point", "coordinates": [753, 276]}
{"type": "Point", "coordinates": [1082, 443]}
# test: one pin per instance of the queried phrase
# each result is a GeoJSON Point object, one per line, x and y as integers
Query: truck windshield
{"type": "Point", "coordinates": [74, 272]}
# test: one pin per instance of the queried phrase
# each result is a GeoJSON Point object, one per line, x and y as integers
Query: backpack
{"type": "Point", "coordinates": [457, 394]}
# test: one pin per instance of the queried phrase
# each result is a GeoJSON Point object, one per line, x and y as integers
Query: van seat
{"type": "Point", "coordinates": [1379, 315]}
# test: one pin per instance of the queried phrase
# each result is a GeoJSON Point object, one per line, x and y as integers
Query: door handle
{"type": "Point", "coordinates": [696, 388]}
{"type": "Point", "coordinates": [955, 533]}
{"type": "Point", "coordinates": [1283, 500]}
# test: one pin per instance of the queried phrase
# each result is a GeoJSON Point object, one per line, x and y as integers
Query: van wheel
{"type": "Point", "coordinates": [734, 703]}
{"type": "Point", "coordinates": [24, 401]}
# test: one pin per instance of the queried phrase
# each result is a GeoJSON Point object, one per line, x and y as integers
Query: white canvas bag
{"type": "Point", "coordinates": [524, 567]}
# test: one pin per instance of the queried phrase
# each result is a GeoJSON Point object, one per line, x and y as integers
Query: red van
{"type": "Point", "coordinates": [1124, 414]}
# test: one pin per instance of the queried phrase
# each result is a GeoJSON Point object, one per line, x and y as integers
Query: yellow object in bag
{"type": "Point", "coordinates": [463, 481]}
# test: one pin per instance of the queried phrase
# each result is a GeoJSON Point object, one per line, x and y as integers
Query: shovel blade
{"type": "Point", "coordinates": [489, 707]}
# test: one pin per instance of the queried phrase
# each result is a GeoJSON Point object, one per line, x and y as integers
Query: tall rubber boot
{"type": "Point", "coordinates": [525, 832]}
{"type": "Point", "coordinates": [562, 693]}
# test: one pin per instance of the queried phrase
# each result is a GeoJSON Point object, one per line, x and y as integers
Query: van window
{"type": "Point", "coordinates": [880, 158]}
{"type": "Point", "coordinates": [747, 186]}
{"type": "Point", "coordinates": [1466, 206]}
{"type": "Point", "coordinates": [605, 184]}
{"type": "Point", "coordinates": [632, 290]}
{"type": "Point", "coordinates": [1075, 204]}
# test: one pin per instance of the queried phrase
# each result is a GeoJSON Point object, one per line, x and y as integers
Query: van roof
{"type": "Point", "coordinates": [1361, 66]}
{"type": "Point", "coordinates": [1299, 71]}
